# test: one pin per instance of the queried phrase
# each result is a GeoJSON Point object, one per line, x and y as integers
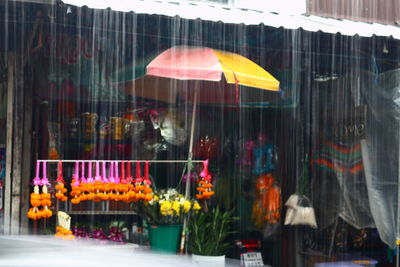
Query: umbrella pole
{"type": "Point", "coordinates": [190, 165]}
{"type": "Point", "coordinates": [189, 170]}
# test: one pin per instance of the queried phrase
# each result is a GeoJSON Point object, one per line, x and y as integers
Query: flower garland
{"type": "Point", "coordinates": [61, 190]}
{"type": "Point", "coordinates": [143, 184]}
{"type": "Point", "coordinates": [63, 233]}
{"type": "Point", "coordinates": [205, 186]}
{"type": "Point", "coordinates": [115, 187]}
{"type": "Point", "coordinates": [38, 199]}
{"type": "Point", "coordinates": [75, 186]}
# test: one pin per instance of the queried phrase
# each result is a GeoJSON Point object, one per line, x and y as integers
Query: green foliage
{"type": "Point", "coordinates": [209, 232]}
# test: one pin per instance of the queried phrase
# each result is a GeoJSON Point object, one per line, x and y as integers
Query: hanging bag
{"type": "Point", "coordinates": [299, 208]}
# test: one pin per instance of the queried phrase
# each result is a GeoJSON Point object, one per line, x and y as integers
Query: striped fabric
{"type": "Point", "coordinates": [339, 157]}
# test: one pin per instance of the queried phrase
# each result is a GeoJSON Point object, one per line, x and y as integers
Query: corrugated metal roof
{"type": "Point", "coordinates": [379, 11]}
{"type": "Point", "coordinates": [191, 10]}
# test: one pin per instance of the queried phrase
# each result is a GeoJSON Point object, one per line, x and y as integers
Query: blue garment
{"type": "Point", "coordinates": [263, 159]}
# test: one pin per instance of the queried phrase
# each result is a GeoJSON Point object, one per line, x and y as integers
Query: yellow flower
{"type": "Point", "coordinates": [186, 206]}
{"type": "Point", "coordinates": [196, 206]}
{"type": "Point", "coordinates": [156, 198]}
{"type": "Point", "coordinates": [176, 207]}
{"type": "Point", "coordinates": [165, 208]}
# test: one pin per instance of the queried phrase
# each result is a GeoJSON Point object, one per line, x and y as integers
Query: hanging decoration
{"type": "Point", "coordinates": [75, 189]}
{"type": "Point", "coordinates": [61, 190]}
{"type": "Point", "coordinates": [38, 199]}
{"type": "Point", "coordinates": [115, 187]}
{"type": "Point", "coordinates": [205, 187]}
{"type": "Point", "coordinates": [114, 183]}
{"type": "Point", "coordinates": [64, 225]}
{"type": "Point", "coordinates": [143, 184]}
{"type": "Point", "coordinates": [267, 205]}
{"type": "Point", "coordinates": [264, 155]}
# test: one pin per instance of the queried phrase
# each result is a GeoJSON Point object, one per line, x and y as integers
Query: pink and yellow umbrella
{"type": "Point", "coordinates": [178, 70]}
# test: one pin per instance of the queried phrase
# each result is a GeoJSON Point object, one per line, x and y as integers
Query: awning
{"type": "Point", "coordinates": [210, 12]}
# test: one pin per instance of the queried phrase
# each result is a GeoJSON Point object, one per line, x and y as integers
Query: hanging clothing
{"type": "Point", "coordinates": [263, 159]}
{"type": "Point", "coordinates": [340, 169]}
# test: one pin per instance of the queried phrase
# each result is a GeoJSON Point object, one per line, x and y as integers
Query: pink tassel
{"type": "Point", "coordinates": [111, 179]}
{"type": "Point", "coordinates": [37, 180]}
{"type": "Point", "coordinates": [104, 174]}
{"type": "Point", "coordinates": [146, 173]}
{"type": "Point", "coordinates": [138, 178]}
{"type": "Point", "coordinates": [83, 179]}
{"type": "Point", "coordinates": [97, 177]}
{"type": "Point", "coordinates": [129, 175]}
{"type": "Point", "coordinates": [90, 177]}
{"type": "Point", "coordinates": [60, 178]}
{"type": "Point", "coordinates": [45, 181]}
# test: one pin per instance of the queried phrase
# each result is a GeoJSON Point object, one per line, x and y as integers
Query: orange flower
{"type": "Point", "coordinates": [75, 200]}
{"type": "Point", "coordinates": [90, 196]}
{"type": "Point", "coordinates": [140, 187]}
{"type": "Point", "coordinates": [75, 192]}
{"type": "Point", "coordinates": [46, 202]}
{"type": "Point", "coordinates": [147, 190]}
{"type": "Point", "coordinates": [46, 196]}
{"type": "Point", "coordinates": [206, 185]}
{"type": "Point", "coordinates": [46, 213]}
{"type": "Point", "coordinates": [139, 196]}
{"type": "Point", "coordinates": [104, 196]}
{"type": "Point", "coordinates": [59, 186]}
{"type": "Point", "coordinates": [36, 202]}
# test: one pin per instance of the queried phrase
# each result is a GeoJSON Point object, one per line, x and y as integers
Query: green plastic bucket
{"type": "Point", "coordinates": [165, 238]}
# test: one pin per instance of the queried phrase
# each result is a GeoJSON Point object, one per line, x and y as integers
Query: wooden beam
{"type": "Point", "coordinates": [17, 146]}
{"type": "Point", "coordinates": [9, 142]}
{"type": "Point", "coordinates": [26, 157]}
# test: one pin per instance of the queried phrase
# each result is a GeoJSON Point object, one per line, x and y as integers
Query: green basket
{"type": "Point", "coordinates": [165, 238]}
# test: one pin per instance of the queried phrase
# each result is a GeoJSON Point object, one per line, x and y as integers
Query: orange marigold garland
{"type": "Point", "coordinates": [38, 199]}
{"type": "Point", "coordinates": [61, 190]}
{"type": "Point", "coordinates": [64, 224]}
{"type": "Point", "coordinates": [205, 187]}
{"type": "Point", "coordinates": [75, 186]}
{"type": "Point", "coordinates": [63, 233]}
{"type": "Point", "coordinates": [125, 186]}
{"type": "Point", "coordinates": [115, 187]}
{"type": "Point", "coordinates": [143, 184]}
{"type": "Point", "coordinates": [131, 194]}
{"type": "Point", "coordinates": [147, 190]}
{"type": "Point", "coordinates": [46, 197]}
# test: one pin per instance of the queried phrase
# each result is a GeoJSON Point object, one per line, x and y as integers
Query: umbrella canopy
{"type": "Point", "coordinates": [202, 63]}
{"type": "Point", "coordinates": [175, 72]}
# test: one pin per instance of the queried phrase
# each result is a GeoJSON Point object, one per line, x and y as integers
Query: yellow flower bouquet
{"type": "Point", "coordinates": [166, 207]}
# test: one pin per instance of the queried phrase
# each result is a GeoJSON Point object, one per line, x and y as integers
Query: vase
{"type": "Point", "coordinates": [165, 238]}
{"type": "Point", "coordinates": [211, 261]}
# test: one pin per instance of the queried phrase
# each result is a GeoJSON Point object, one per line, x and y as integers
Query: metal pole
{"type": "Point", "coordinates": [150, 161]}
{"type": "Point", "coordinates": [190, 161]}
{"type": "Point", "coordinates": [189, 170]}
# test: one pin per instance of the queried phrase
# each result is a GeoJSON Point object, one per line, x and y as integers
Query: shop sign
{"type": "Point", "coordinates": [352, 125]}
{"type": "Point", "coordinates": [69, 48]}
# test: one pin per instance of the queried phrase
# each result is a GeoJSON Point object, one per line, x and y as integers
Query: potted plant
{"type": "Point", "coordinates": [208, 236]}
{"type": "Point", "coordinates": [165, 214]}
